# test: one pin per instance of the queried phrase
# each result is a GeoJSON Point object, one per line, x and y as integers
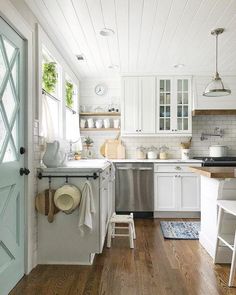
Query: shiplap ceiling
{"type": "Point", "coordinates": [150, 35]}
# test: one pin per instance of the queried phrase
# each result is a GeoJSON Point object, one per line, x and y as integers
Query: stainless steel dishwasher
{"type": "Point", "coordinates": [135, 188]}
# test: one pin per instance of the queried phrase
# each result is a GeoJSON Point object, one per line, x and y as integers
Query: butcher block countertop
{"type": "Point", "coordinates": [215, 172]}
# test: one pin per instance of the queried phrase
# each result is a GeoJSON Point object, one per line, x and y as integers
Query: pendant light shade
{"type": "Point", "coordinates": [216, 87]}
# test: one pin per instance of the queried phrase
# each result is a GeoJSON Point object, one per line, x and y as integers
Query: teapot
{"type": "Point", "coordinates": [53, 157]}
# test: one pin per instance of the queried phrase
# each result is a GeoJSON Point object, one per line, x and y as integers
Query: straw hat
{"type": "Point", "coordinates": [67, 198]}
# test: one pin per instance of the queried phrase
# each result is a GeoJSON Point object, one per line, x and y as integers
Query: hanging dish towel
{"type": "Point", "coordinates": [87, 208]}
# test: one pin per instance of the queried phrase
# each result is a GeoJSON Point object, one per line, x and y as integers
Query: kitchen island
{"type": "Point", "coordinates": [217, 183]}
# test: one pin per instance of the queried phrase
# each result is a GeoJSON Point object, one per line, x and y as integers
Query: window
{"type": "Point", "coordinates": [51, 101]}
{"type": "Point", "coordinates": [72, 115]}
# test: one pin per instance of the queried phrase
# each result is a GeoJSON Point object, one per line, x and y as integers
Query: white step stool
{"type": "Point", "coordinates": [227, 239]}
{"type": "Point", "coordinates": [129, 220]}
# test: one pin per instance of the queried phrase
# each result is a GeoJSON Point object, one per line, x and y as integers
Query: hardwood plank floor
{"type": "Point", "coordinates": [155, 267]}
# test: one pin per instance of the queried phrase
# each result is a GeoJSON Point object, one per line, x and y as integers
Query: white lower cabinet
{"type": "Point", "coordinates": [177, 192]}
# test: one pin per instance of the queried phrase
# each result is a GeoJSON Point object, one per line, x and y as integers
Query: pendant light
{"type": "Point", "coordinates": [216, 87]}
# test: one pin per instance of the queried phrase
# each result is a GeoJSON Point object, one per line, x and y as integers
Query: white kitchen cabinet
{"type": "Point", "coordinates": [174, 106]}
{"type": "Point", "coordinates": [165, 193]}
{"type": "Point", "coordinates": [176, 189]}
{"type": "Point", "coordinates": [138, 105]}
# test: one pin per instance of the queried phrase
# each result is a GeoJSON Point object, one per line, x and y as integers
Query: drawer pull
{"type": "Point", "coordinates": [178, 168]}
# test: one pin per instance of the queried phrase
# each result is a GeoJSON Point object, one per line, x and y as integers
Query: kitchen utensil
{"type": "Point", "coordinates": [218, 150]}
{"type": "Point", "coordinates": [116, 123]}
{"type": "Point", "coordinates": [185, 154]}
{"type": "Point", "coordinates": [42, 203]}
{"type": "Point", "coordinates": [67, 198]}
{"type": "Point", "coordinates": [106, 123]}
{"type": "Point", "coordinates": [53, 157]}
{"type": "Point", "coordinates": [186, 145]}
{"type": "Point", "coordinates": [90, 123]}
{"type": "Point", "coordinates": [163, 155]}
{"type": "Point", "coordinates": [82, 123]}
{"type": "Point", "coordinates": [98, 123]}
{"type": "Point", "coordinates": [152, 155]}
{"type": "Point", "coordinates": [120, 151]}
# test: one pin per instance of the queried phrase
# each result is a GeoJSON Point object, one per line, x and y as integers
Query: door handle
{"type": "Point", "coordinates": [22, 150]}
{"type": "Point", "coordinates": [24, 171]}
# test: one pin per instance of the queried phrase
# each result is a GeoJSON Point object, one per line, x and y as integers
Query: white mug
{"type": "Point", "coordinates": [90, 123]}
{"type": "Point", "coordinates": [98, 124]}
{"type": "Point", "coordinates": [106, 123]}
{"type": "Point", "coordinates": [116, 123]}
{"type": "Point", "coordinates": [82, 123]}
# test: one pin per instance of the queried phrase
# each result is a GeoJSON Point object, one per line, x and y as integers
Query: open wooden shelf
{"type": "Point", "coordinates": [213, 112]}
{"type": "Point", "coordinates": [99, 129]}
{"type": "Point", "coordinates": [100, 114]}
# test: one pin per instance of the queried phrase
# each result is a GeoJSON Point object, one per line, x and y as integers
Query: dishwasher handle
{"type": "Point", "coordinates": [135, 169]}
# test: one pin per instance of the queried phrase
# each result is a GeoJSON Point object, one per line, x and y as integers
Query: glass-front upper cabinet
{"type": "Point", "coordinates": [164, 109]}
{"type": "Point", "coordinates": [174, 105]}
{"type": "Point", "coordinates": [182, 104]}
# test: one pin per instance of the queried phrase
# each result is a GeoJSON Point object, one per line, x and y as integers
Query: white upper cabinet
{"type": "Point", "coordinates": [156, 105]}
{"type": "Point", "coordinates": [138, 105]}
{"type": "Point", "coordinates": [174, 106]}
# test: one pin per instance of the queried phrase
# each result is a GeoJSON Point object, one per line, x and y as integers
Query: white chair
{"type": "Point", "coordinates": [117, 219]}
{"type": "Point", "coordinates": [229, 240]}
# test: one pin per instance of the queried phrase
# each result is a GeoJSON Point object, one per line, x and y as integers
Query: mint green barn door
{"type": "Point", "coordinates": [12, 88]}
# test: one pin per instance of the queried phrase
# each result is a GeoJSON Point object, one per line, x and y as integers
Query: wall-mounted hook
{"type": "Point", "coordinates": [66, 179]}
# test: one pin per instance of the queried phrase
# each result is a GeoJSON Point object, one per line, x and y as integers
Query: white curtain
{"type": "Point", "coordinates": [48, 130]}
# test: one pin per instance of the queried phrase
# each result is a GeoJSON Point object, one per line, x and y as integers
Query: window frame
{"type": "Point", "coordinates": [43, 42]}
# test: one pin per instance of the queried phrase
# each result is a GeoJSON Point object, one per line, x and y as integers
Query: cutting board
{"type": "Point", "coordinates": [111, 148]}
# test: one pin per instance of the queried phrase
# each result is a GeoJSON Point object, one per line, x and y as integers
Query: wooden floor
{"type": "Point", "coordinates": [155, 267]}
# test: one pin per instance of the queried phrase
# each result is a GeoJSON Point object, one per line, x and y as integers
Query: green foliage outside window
{"type": "Point", "coordinates": [69, 94]}
{"type": "Point", "coordinates": [49, 77]}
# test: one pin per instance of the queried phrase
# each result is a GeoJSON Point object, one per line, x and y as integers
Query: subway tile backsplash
{"type": "Point", "coordinates": [201, 124]}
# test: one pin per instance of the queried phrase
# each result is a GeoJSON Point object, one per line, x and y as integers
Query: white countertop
{"type": "Point", "coordinates": [80, 166]}
{"type": "Point", "coordinates": [168, 161]}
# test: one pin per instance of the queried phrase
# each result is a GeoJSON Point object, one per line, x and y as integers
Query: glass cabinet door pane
{"type": "Point", "coordinates": [162, 99]}
{"type": "Point", "coordinates": [185, 95]}
{"type": "Point", "coordinates": [179, 124]}
{"type": "Point", "coordinates": [179, 114]}
{"type": "Point", "coordinates": [165, 105]}
{"type": "Point", "coordinates": [161, 124]}
{"type": "Point", "coordinates": [162, 111]}
{"type": "Point", "coordinates": [185, 111]}
{"type": "Point", "coordinates": [185, 88]}
{"type": "Point", "coordinates": [167, 98]}
{"type": "Point", "coordinates": [185, 124]}
{"type": "Point", "coordinates": [179, 85]}
{"type": "Point", "coordinates": [167, 124]}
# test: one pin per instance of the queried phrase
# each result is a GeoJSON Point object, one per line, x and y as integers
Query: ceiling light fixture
{"type": "Point", "coordinates": [106, 32]}
{"type": "Point", "coordinates": [80, 57]}
{"type": "Point", "coordinates": [216, 87]}
{"type": "Point", "coordinates": [113, 67]}
{"type": "Point", "coordinates": [178, 66]}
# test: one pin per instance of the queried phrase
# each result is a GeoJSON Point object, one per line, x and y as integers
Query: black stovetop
{"type": "Point", "coordinates": [218, 161]}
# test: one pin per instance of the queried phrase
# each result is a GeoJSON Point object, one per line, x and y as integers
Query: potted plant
{"type": "Point", "coordinates": [77, 155]}
{"type": "Point", "coordinates": [69, 94]}
{"type": "Point", "coordinates": [49, 76]}
{"type": "Point", "coordinates": [88, 142]}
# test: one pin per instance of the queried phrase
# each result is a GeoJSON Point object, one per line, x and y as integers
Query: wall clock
{"type": "Point", "coordinates": [100, 89]}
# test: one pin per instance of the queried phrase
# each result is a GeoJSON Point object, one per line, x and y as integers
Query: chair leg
{"type": "Point", "coordinates": [109, 235]}
{"type": "Point", "coordinates": [113, 226]}
{"type": "Point", "coordinates": [134, 232]}
{"type": "Point", "coordinates": [233, 264]}
{"type": "Point", "coordinates": [131, 240]}
{"type": "Point", "coordinates": [219, 223]}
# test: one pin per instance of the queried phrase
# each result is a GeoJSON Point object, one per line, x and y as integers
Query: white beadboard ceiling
{"type": "Point", "coordinates": [150, 35]}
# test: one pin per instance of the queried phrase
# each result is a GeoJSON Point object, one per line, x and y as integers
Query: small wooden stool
{"type": "Point", "coordinates": [129, 220]}
{"type": "Point", "coordinates": [229, 240]}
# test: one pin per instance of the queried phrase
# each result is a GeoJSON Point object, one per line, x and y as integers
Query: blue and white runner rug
{"type": "Point", "coordinates": [180, 230]}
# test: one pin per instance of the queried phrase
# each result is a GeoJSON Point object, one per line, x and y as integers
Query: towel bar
{"type": "Point", "coordinates": [94, 176]}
